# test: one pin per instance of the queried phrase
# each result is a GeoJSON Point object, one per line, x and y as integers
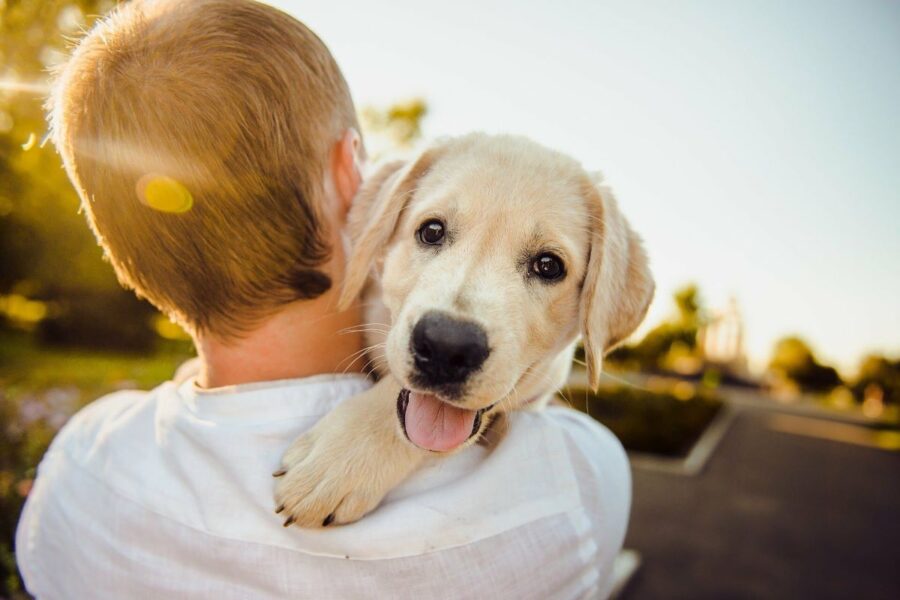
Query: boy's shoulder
{"type": "Point", "coordinates": [553, 467]}
{"type": "Point", "coordinates": [583, 435]}
{"type": "Point", "coordinates": [95, 424]}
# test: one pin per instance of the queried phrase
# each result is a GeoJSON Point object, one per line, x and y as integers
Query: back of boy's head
{"type": "Point", "coordinates": [197, 135]}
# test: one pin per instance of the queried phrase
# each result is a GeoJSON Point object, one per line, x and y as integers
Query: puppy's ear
{"type": "Point", "coordinates": [376, 210]}
{"type": "Point", "coordinates": [618, 287]}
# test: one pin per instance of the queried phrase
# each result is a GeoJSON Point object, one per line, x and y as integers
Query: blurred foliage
{"type": "Point", "coordinates": [106, 319]}
{"type": "Point", "coordinates": [669, 341]}
{"type": "Point", "coordinates": [49, 255]}
{"type": "Point", "coordinates": [396, 127]}
{"type": "Point", "coordinates": [881, 372]}
{"type": "Point", "coordinates": [645, 421]}
{"type": "Point", "coordinates": [43, 233]}
{"type": "Point", "coordinates": [793, 360]}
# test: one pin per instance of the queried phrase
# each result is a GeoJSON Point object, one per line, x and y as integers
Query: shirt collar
{"type": "Point", "coordinates": [268, 400]}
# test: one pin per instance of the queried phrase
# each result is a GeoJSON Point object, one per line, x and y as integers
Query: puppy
{"type": "Point", "coordinates": [479, 262]}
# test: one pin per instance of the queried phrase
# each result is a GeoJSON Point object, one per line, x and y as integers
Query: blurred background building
{"type": "Point", "coordinates": [722, 339]}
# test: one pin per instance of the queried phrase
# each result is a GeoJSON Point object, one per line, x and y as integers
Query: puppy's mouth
{"type": "Point", "coordinates": [432, 424]}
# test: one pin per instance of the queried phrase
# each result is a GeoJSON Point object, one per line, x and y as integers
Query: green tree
{"type": "Point", "coordinates": [793, 359]}
{"type": "Point", "coordinates": [687, 301]}
{"type": "Point", "coordinates": [678, 333]}
{"type": "Point", "coordinates": [398, 126]}
{"type": "Point", "coordinates": [881, 371]}
{"type": "Point", "coordinates": [48, 253]}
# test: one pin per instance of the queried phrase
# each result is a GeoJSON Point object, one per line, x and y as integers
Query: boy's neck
{"type": "Point", "coordinates": [304, 338]}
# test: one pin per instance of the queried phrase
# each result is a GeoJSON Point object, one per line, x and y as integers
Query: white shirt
{"type": "Point", "coordinates": [168, 494]}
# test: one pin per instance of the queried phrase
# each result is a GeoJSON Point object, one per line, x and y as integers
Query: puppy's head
{"type": "Point", "coordinates": [493, 253]}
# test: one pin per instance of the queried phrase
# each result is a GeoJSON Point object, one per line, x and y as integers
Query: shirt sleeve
{"type": "Point", "coordinates": [27, 533]}
{"type": "Point", "coordinates": [33, 557]}
{"type": "Point", "coordinates": [604, 475]}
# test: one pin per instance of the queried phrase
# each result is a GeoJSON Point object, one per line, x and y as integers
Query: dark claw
{"type": "Point", "coordinates": [289, 522]}
{"type": "Point", "coordinates": [279, 472]}
{"type": "Point", "coordinates": [328, 520]}
{"type": "Point", "coordinates": [279, 509]}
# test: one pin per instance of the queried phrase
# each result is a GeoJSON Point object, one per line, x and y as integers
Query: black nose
{"type": "Point", "coordinates": [447, 350]}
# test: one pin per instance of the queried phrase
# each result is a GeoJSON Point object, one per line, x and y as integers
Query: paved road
{"type": "Point", "coordinates": [773, 515]}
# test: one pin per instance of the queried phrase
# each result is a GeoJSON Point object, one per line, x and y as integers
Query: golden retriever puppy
{"type": "Point", "coordinates": [480, 263]}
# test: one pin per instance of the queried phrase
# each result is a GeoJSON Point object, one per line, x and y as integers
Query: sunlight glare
{"type": "Point", "coordinates": [30, 142]}
{"type": "Point", "coordinates": [13, 85]}
{"type": "Point", "coordinates": [164, 194]}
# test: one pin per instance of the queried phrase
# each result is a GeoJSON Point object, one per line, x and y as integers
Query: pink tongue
{"type": "Point", "coordinates": [436, 425]}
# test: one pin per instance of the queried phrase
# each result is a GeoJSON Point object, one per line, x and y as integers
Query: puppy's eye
{"type": "Point", "coordinates": [548, 266]}
{"type": "Point", "coordinates": [431, 232]}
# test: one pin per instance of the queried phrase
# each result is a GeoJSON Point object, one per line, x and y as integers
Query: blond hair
{"type": "Point", "coordinates": [197, 135]}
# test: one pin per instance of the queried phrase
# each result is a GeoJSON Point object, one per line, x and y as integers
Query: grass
{"type": "Point", "coordinates": [40, 388]}
{"type": "Point", "coordinates": [26, 367]}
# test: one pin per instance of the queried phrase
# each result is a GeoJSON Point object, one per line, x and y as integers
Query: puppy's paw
{"type": "Point", "coordinates": [344, 466]}
{"type": "Point", "coordinates": [321, 483]}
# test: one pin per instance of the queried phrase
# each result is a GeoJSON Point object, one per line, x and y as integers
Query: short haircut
{"type": "Point", "coordinates": [198, 135]}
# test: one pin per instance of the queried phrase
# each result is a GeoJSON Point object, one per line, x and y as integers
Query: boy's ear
{"type": "Point", "coordinates": [618, 287]}
{"type": "Point", "coordinates": [346, 168]}
{"type": "Point", "coordinates": [376, 210]}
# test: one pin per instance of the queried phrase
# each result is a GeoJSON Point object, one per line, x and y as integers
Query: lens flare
{"type": "Point", "coordinates": [30, 142]}
{"type": "Point", "coordinates": [12, 85]}
{"type": "Point", "coordinates": [164, 194]}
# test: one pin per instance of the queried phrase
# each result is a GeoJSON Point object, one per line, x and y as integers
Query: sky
{"type": "Point", "coordinates": [754, 145]}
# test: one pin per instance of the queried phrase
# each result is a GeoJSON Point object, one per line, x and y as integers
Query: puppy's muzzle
{"type": "Point", "coordinates": [446, 351]}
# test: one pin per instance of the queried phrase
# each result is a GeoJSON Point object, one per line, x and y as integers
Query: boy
{"type": "Point", "coordinates": [213, 145]}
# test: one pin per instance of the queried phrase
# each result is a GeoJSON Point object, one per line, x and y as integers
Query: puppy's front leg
{"type": "Point", "coordinates": [344, 466]}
